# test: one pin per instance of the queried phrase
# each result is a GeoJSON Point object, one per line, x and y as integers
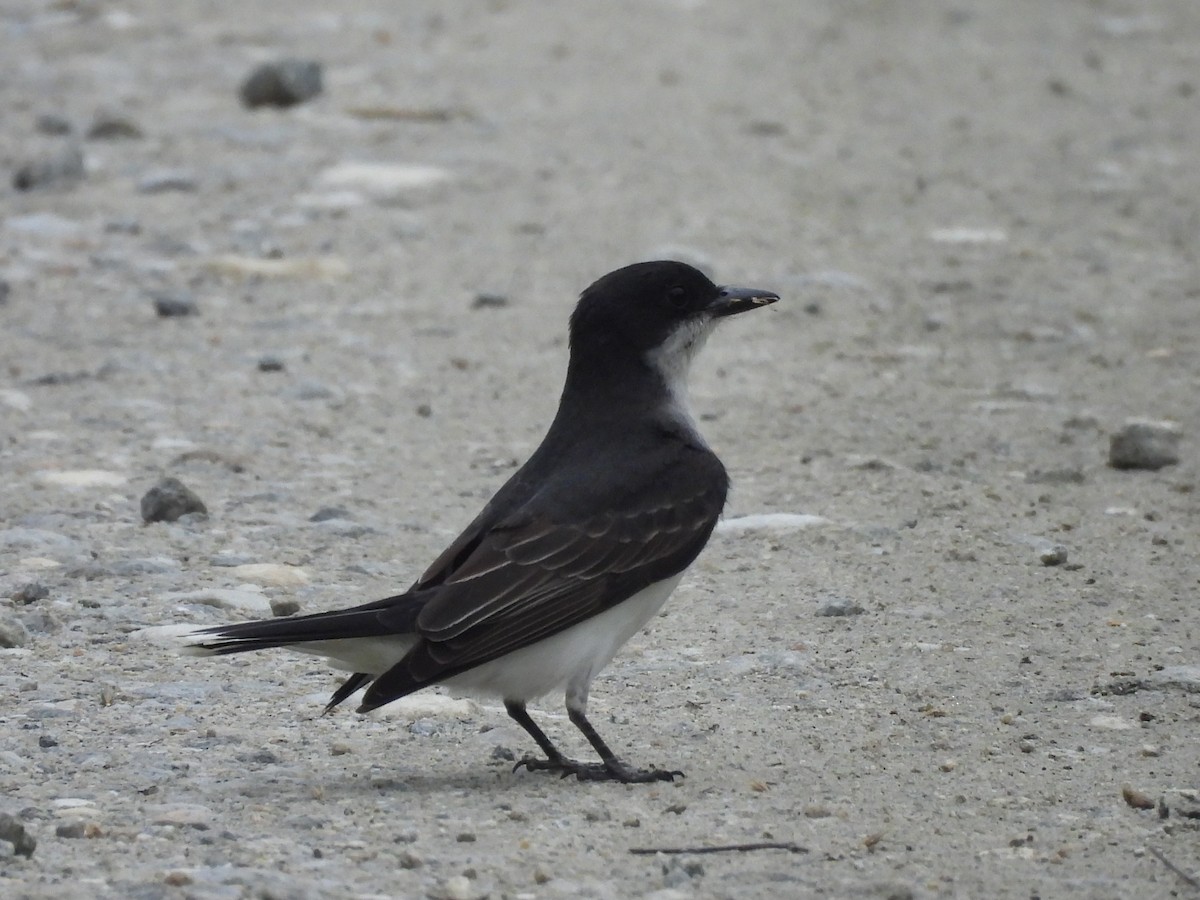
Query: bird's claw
{"type": "Point", "coordinates": [597, 771]}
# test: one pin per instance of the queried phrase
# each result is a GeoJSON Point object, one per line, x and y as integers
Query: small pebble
{"type": "Point", "coordinates": [817, 811]}
{"type": "Point", "coordinates": [13, 633]}
{"type": "Point", "coordinates": [457, 888]}
{"type": "Point", "coordinates": [109, 126]}
{"type": "Point", "coordinates": [466, 837]}
{"type": "Point", "coordinates": [168, 500]}
{"type": "Point", "coordinates": [172, 306]}
{"type": "Point", "coordinates": [283, 83]}
{"type": "Point", "coordinates": [1025, 746]}
{"type": "Point", "coordinates": [14, 833]}
{"type": "Point", "coordinates": [489, 301]}
{"type": "Point", "coordinates": [1136, 798]}
{"type": "Point", "coordinates": [1053, 555]}
{"type": "Point", "coordinates": [840, 606]}
{"type": "Point", "coordinates": [339, 749]}
{"type": "Point", "coordinates": [326, 513]}
{"type": "Point", "coordinates": [1143, 444]}
{"type": "Point", "coordinates": [270, 364]}
{"type": "Point", "coordinates": [410, 860]}
{"type": "Point", "coordinates": [166, 181]}
{"type": "Point", "coordinates": [46, 741]}
{"type": "Point", "coordinates": [284, 606]}
{"type": "Point", "coordinates": [71, 830]}
{"type": "Point", "coordinates": [63, 166]}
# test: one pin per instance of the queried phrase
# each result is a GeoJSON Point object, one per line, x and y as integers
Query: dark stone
{"type": "Point", "coordinates": [489, 301]}
{"type": "Point", "coordinates": [1144, 445]}
{"type": "Point", "coordinates": [285, 82]}
{"type": "Point", "coordinates": [284, 606]}
{"type": "Point", "coordinates": [14, 832]}
{"type": "Point", "coordinates": [170, 306]}
{"type": "Point", "coordinates": [170, 499]}
{"type": "Point", "coordinates": [113, 127]}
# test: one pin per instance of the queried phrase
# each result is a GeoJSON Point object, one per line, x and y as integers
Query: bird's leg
{"type": "Point", "coordinates": [554, 760]}
{"type": "Point", "coordinates": [612, 769]}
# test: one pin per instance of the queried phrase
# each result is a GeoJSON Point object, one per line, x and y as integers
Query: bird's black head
{"type": "Point", "coordinates": [649, 307]}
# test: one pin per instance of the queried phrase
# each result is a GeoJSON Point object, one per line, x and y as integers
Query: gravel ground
{"type": "Point", "coordinates": [341, 324]}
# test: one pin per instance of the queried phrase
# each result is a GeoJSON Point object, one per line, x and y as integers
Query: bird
{"type": "Point", "coordinates": [575, 553]}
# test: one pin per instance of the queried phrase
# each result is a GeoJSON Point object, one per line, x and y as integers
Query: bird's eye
{"type": "Point", "coordinates": [677, 297]}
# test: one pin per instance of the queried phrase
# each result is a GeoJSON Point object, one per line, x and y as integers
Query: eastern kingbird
{"type": "Point", "coordinates": [576, 552]}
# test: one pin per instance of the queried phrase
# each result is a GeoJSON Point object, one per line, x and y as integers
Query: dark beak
{"type": "Point", "coordinates": [730, 300]}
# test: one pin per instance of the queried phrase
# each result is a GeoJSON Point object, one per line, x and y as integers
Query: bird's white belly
{"type": "Point", "coordinates": [570, 658]}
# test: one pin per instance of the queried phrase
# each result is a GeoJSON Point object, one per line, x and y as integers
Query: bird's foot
{"type": "Point", "coordinates": [597, 771]}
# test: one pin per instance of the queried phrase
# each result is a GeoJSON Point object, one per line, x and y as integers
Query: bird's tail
{"type": "Point", "coordinates": [348, 624]}
{"type": "Point", "coordinates": [366, 640]}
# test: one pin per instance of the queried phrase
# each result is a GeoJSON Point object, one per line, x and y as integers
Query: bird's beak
{"type": "Point", "coordinates": [730, 300]}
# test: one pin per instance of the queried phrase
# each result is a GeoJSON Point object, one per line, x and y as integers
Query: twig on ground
{"type": "Point", "coordinates": [724, 848]}
{"type": "Point", "coordinates": [1191, 880]}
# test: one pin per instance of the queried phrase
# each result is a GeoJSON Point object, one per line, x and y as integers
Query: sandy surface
{"type": "Point", "coordinates": [983, 218]}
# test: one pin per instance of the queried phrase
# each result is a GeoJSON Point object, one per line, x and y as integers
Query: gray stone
{"type": "Point", "coordinates": [110, 126]}
{"type": "Point", "coordinates": [284, 606]}
{"type": "Point", "coordinates": [70, 830]}
{"type": "Point", "coordinates": [13, 633]}
{"type": "Point", "coordinates": [14, 832]}
{"type": "Point", "coordinates": [1142, 444]}
{"type": "Point", "coordinates": [282, 83]}
{"type": "Point", "coordinates": [174, 305]}
{"type": "Point", "coordinates": [1052, 554]}
{"type": "Point", "coordinates": [1186, 678]}
{"type": "Point", "coordinates": [170, 499]}
{"type": "Point", "coordinates": [167, 180]}
{"type": "Point", "coordinates": [489, 301]}
{"type": "Point", "coordinates": [329, 512]}
{"type": "Point", "coordinates": [840, 606]}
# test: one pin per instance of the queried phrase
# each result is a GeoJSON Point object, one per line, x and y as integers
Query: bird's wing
{"type": "Point", "coordinates": [551, 564]}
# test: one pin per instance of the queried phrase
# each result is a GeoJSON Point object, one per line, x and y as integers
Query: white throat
{"type": "Point", "coordinates": [673, 361]}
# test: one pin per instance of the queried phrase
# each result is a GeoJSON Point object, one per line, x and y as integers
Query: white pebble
{"type": "Point", "coordinates": [277, 574]}
{"type": "Point", "coordinates": [81, 478]}
{"type": "Point", "coordinates": [769, 522]}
